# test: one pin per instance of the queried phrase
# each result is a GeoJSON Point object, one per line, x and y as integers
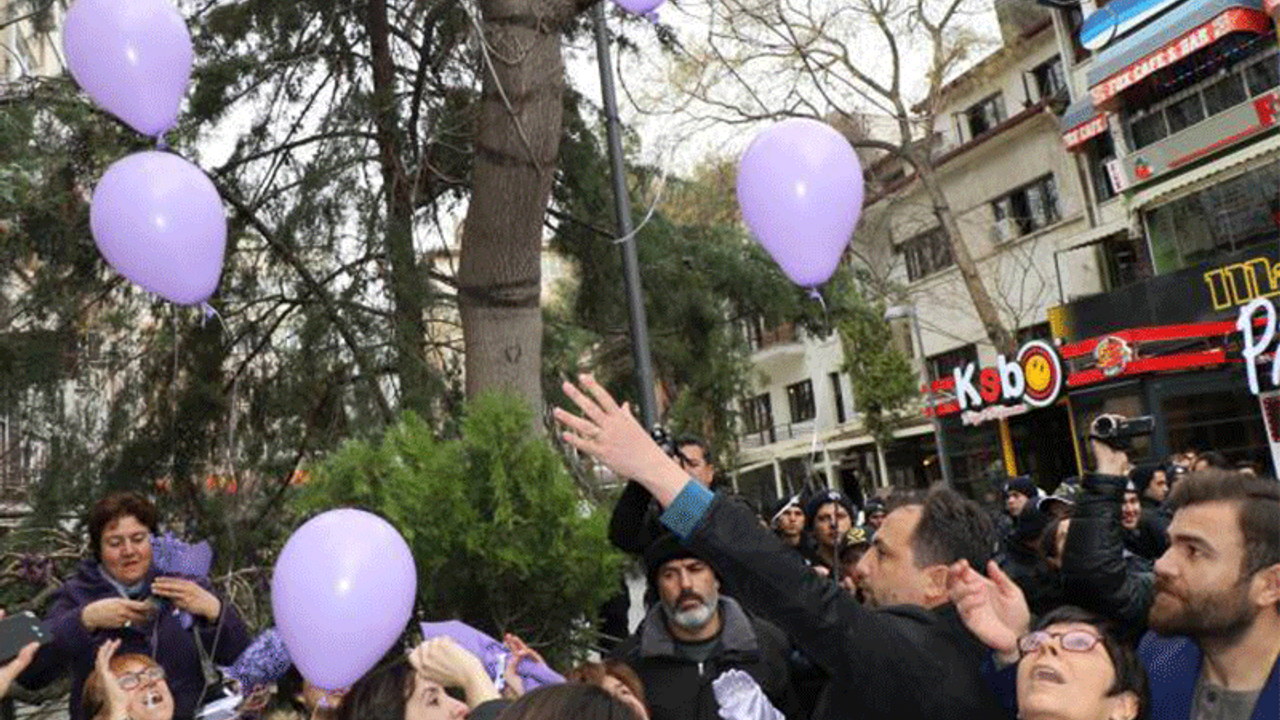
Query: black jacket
{"type": "Point", "coordinates": [679, 689]}
{"type": "Point", "coordinates": [901, 663]}
{"type": "Point", "coordinates": [1096, 572]}
{"type": "Point", "coordinates": [634, 524]}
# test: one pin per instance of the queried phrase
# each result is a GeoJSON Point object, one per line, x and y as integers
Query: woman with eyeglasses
{"type": "Point", "coordinates": [126, 687]}
{"type": "Point", "coordinates": [1068, 666]}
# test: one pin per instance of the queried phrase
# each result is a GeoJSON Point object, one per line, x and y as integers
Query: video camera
{"type": "Point", "coordinates": [1118, 432]}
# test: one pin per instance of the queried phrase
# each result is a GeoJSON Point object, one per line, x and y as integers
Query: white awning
{"type": "Point", "coordinates": [1240, 161]}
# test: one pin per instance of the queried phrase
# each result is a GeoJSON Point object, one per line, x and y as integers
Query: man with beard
{"type": "Point", "coordinates": [1216, 610]}
{"type": "Point", "coordinates": [1213, 601]}
{"type": "Point", "coordinates": [694, 636]}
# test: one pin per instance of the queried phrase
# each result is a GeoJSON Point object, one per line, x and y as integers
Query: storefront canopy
{"type": "Point", "coordinates": [1178, 33]}
{"type": "Point", "coordinates": [1081, 121]}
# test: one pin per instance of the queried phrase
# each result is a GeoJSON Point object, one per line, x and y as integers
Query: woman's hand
{"type": "Point", "coordinates": [443, 661]}
{"type": "Point", "coordinates": [609, 433]}
{"type": "Point", "coordinates": [514, 685]}
{"type": "Point", "coordinates": [993, 608]}
{"type": "Point", "coordinates": [111, 613]}
{"type": "Point", "coordinates": [117, 698]}
{"type": "Point", "coordinates": [188, 596]}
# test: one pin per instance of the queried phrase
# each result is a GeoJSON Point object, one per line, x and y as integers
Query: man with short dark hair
{"type": "Point", "coordinates": [830, 516]}
{"type": "Point", "coordinates": [906, 662]}
{"type": "Point", "coordinates": [694, 635]}
{"type": "Point", "coordinates": [1212, 603]}
{"type": "Point", "coordinates": [787, 521]}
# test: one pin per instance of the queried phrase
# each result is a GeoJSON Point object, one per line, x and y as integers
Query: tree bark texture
{"type": "Point", "coordinates": [499, 275]}
{"type": "Point", "coordinates": [408, 288]}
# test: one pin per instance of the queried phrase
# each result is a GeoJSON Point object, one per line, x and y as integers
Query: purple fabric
{"type": "Point", "coordinates": [172, 557]}
{"type": "Point", "coordinates": [534, 675]}
{"type": "Point", "coordinates": [262, 663]}
{"type": "Point", "coordinates": [173, 647]}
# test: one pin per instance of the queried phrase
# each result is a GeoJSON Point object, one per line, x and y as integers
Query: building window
{"type": "Point", "coordinates": [1100, 151]}
{"type": "Point", "coordinates": [1263, 75]}
{"type": "Point", "coordinates": [1229, 216]}
{"type": "Point", "coordinates": [985, 115]}
{"type": "Point", "coordinates": [943, 363]}
{"type": "Point", "coordinates": [1148, 129]}
{"type": "Point", "coordinates": [800, 401]}
{"type": "Point", "coordinates": [1203, 93]}
{"type": "Point", "coordinates": [1027, 209]}
{"type": "Point", "coordinates": [926, 254]}
{"type": "Point", "coordinates": [757, 414]}
{"type": "Point", "coordinates": [1050, 79]}
{"type": "Point", "coordinates": [1185, 112]}
{"type": "Point", "coordinates": [838, 394]}
{"type": "Point", "coordinates": [1225, 94]}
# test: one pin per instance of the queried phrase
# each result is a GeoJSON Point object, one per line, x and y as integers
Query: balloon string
{"type": "Point", "coordinates": [826, 314]}
{"type": "Point", "coordinates": [653, 207]}
{"type": "Point", "coordinates": [212, 313]}
{"type": "Point", "coordinates": [160, 142]}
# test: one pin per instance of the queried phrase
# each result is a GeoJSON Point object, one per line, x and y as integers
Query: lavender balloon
{"type": "Point", "coordinates": [800, 189]}
{"type": "Point", "coordinates": [342, 592]}
{"type": "Point", "coordinates": [133, 57]}
{"type": "Point", "coordinates": [159, 221]}
{"type": "Point", "coordinates": [639, 7]}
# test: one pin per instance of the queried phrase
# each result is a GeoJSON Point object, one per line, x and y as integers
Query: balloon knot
{"type": "Point", "coordinates": [160, 142]}
{"type": "Point", "coordinates": [651, 16]}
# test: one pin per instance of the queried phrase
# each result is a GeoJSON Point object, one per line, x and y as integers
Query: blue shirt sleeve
{"type": "Point", "coordinates": [687, 510]}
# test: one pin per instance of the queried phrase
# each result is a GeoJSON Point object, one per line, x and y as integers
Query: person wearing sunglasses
{"type": "Point", "coordinates": [126, 687]}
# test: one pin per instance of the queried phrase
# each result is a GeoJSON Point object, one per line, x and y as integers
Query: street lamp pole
{"type": "Point", "coordinates": [939, 438]}
{"type": "Point", "coordinates": [622, 213]}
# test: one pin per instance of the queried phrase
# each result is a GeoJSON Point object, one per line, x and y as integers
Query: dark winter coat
{"type": "Point", "coordinates": [73, 647]}
{"type": "Point", "coordinates": [1096, 572]}
{"type": "Point", "coordinates": [679, 689]}
{"type": "Point", "coordinates": [900, 663]}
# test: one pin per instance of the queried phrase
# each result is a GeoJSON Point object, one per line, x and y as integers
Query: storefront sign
{"type": "Point", "coordinates": [1233, 20]}
{"type": "Point", "coordinates": [1256, 338]}
{"type": "Point", "coordinates": [1211, 291]}
{"type": "Point", "coordinates": [1112, 356]}
{"type": "Point", "coordinates": [1219, 132]}
{"type": "Point", "coordinates": [1117, 18]}
{"type": "Point", "coordinates": [1034, 380]}
{"type": "Point", "coordinates": [1084, 132]}
{"type": "Point", "coordinates": [1238, 283]}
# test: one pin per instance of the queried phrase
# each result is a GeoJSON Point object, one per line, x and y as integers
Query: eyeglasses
{"type": "Point", "coordinates": [1071, 640]}
{"type": "Point", "coordinates": [129, 681]}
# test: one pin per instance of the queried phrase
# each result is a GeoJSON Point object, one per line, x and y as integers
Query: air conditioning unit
{"type": "Point", "coordinates": [1004, 230]}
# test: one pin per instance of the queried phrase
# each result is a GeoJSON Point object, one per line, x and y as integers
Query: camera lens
{"type": "Point", "coordinates": [1104, 426]}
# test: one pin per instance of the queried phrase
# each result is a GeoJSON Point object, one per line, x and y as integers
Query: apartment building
{"type": "Point", "coordinates": [1022, 203]}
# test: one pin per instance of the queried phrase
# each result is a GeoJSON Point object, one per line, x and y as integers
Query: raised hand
{"type": "Point", "coordinates": [609, 433]}
{"type": "Point", "coordinates": [993, 608]}
{"type": "Point", "coordinates": [188, 596]}
{"type": "Point", "coordinates": [117, 698]}
{"type": "Point", "coordinates": [443, 661]}
{"type": "Point", "coordinates": [514, 686]}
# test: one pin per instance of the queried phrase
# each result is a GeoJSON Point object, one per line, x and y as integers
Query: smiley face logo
{"type": "Point", "coordinates": [1042, 369]}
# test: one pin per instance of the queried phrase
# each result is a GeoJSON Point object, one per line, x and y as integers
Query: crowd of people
{"type": "Point", "coordinates": [1132, 593]}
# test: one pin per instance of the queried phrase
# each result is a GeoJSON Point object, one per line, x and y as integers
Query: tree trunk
{"type": "Point", "coordinates": [409, 291]}
{"type": "Point", "coordinates": [987, 313]}
{"type": "Point", "coordinates": [499, 275]}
